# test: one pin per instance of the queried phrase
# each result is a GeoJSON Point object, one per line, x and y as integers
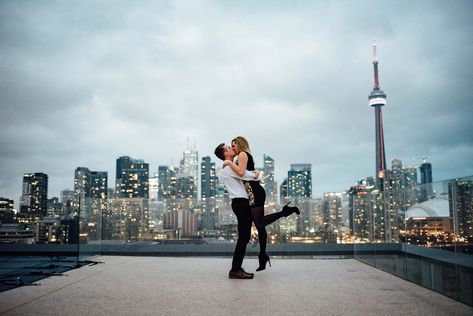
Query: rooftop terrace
{"type": "Point", "coordinates": [125, 285]}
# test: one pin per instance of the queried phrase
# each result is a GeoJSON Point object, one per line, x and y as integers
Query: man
{"type": "Point", "coordinates": [240, 207]}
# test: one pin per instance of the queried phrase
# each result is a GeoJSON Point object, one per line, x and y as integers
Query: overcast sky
{"type": "Point", "coordinates": [84, 82]}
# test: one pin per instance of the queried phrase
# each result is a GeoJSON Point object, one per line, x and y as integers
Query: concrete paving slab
{"type": "Point", "coordinates": [200, 286]}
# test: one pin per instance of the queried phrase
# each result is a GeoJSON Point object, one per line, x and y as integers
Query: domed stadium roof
{"type": "Point", "coordinates": [437, 207]}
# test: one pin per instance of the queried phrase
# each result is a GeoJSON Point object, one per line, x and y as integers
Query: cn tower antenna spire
{"type": "Point", "coordinates": [375, 65]}
{"type": "Point", "coordinates": [377, 99]}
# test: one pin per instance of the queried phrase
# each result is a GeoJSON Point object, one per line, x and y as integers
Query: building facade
{"type": "Point", "coordinates": [34, 200]}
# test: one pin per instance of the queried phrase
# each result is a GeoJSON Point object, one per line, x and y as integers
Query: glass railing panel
{"type": "Point", "coordinates": [90, 212]}
{"type": "Point", "coordinates": [422, 233]}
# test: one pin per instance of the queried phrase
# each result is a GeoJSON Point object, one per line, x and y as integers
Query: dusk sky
{"type": "Point", "coordinates": [84, 82]}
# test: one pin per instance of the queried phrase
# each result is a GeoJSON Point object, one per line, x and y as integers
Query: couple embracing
{"type": "Point", "coordinates": [248, 196]}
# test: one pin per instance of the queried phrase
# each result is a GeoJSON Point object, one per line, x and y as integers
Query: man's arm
{"type": "Point", "coordinates": [248, 176]}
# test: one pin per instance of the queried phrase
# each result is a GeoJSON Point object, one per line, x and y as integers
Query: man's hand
{"type": "Point", "coordinates": [256, 175]}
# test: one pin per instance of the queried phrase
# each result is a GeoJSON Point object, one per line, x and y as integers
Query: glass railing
{"type": "Point", "coordinates": [424, 235]}
{"type": "Point", "coordinates": [137, 226]}
{"type": "Point", "coordinates": [420, 233]}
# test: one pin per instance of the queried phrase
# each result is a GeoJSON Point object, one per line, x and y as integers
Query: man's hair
{"type": "Point", "coordinates": [220, 151]}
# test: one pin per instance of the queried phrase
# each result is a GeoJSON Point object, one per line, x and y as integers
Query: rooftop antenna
{"type": "Point", "coordinates": [375, 65]}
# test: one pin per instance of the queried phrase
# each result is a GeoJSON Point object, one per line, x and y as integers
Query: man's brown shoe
{"type": "Point", "coordinates": [239, 275]}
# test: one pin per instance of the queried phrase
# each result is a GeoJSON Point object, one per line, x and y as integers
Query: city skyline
{"type": "Point", "coordinates": [82, 85]}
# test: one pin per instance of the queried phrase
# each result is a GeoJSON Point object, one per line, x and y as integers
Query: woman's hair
{"type": "Point", "coordinates": [242, 143]}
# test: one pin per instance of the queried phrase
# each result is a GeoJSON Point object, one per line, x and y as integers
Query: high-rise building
{"type": "Point", "coordinates": [332, 211]}
{"type": "Point", "coordinates": [67, 195]}
{"type": "Point", "coordinates": [426, 188]}
{"type": "Point", "coordinates": [410, 188]}
{"type": "Point", "coordinates": [154, 187]}
{"type": "Point", "coordinates": [208, 178]}
{"type": "Point", "coordinates": [55, 208]}
{"type": "Point", "coordinates": [377, 99]}
{"type": "Point", "coordinates": [460, 193]}
{"type": "Point", "coordinates": [270, 185]}
{"type": "Point", "coordinates": [35, 195]}
{"type": "Point", "coordinates": [126, 218]}
{"type": "Point", "coordinates": [132, 178]}
{"type": "Point", "coordinates": [189, 165]}
{"type": "Point", "coordinates": [283, 191]}
{"type": "Point", "coordinates": [299, 180]}
{"type": "Point", "coordinates": [6, 210]}
{"type": "Point", "coordinates": [89, 185]}
{"type": "Point", "coordinates": [393, 201]}
{"type": "Point", "coordinates": [360, 209]}
{"type": "Point", "coordinates": [209, 181]}
{"type": "Point", "coordinates": [166, 181]}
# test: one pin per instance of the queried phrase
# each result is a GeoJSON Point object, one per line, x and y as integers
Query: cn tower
{"type": "Point", "coordinates": [377, 99]}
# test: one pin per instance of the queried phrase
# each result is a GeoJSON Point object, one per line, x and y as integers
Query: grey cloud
{"type": "Point", "coordinates": [84, 83]}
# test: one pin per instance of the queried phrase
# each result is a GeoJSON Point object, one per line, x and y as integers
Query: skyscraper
{"type": "Point", "coordinates": [270, 186]}
{"type": "Point", "coordinates": [360, 208]}
{"type": "Point", "coordinates": [132, 178]}
{"type": "Point", "coordinates": [209, 181]}
{"type": "Point", "coordinates": [426, 189]}
{"type": "Point", "coordinates": [189, 165]}
{"type": "Point", "coordinates": [377, 99]}
{"type": "Point", "coordinates": [35, 195]}
{"type": "Point", "coordinates": [299, 180]}
{"type": "Point", "coordinates": [6, 210]}
{"type": "Point", "coordinates": [208, 178]}
{"type": "Point", "coordinates": [460, 193]}
{"type": "Point", "coordinates": [89, 185]}
{"type": "Point", "coordinates": [166, 181]}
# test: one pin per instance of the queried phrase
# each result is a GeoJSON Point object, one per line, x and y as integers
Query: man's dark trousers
{"type": "Point", "coordinates": [241, 208]}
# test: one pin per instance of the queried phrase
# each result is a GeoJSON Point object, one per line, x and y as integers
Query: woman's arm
{"type": "Point", "coordinates": [241, 167]}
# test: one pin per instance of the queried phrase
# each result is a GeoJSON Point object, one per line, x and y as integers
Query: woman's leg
{"type": "Point", "coordinates": [271, 218]}
{"type": "Point", "coordinates": [257, 215]}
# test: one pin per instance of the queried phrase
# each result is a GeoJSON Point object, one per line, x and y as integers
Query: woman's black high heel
{"type": "Point", "coordinates": [262, 262]}
{"type": "Point", "coordinates": [288, 210]}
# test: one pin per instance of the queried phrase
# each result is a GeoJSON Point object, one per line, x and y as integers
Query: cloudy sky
{"type": "Point", "coordinates": [84, 82]}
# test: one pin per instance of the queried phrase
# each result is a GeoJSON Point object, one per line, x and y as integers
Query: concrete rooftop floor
{"type": "Point", "coordinates": [200, 286]}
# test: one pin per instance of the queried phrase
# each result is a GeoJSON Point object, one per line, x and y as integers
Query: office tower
{"type": "Point", "coordinates": [410, 188]}
{"type": "Point", "coordinates": [208, 178]}
{"type": "Point", "coordinates": [99, 184]}
{"type": "Point", "coordinates": [332, 211]}
{"type": "Point", "coordinates": [209, 181]}
{"type": "Point", "coordinates": [154, 205]}
{"type": "Point", "coordinates": [90, 193]}
{"type": "Point", "coordinates": [360, 209]}
{"type": "Point", "coordinates": [377, 99]}
{"type": "Point", "coordinates": [67, 195]}
{"type": "Point", "coordinates": [126, 218]}
{"type": "Point", "coordinates": [55, 208]}
{"type": "Point", "coordinates": [154, 187]}
{"type": "Point", "coordinates": [283, 191]}
{"type": "Point", "coordinates": [426, 189]}
{"type": "Point", "coordinates": [88, 185]}
{"type": "Point", "coordinates": [460, 194]}
{"type": "Point", "coordinates": [166, 181]}
{"type": "Point", "coordinates": [132, 178]}
{"type": "Point", "coordinates": [35, 195]}
{"type": "Point", "coordinates": [299, 180]}
{"type": "Point", "coordinates": [185, 187]}
{"type": "Point", "coordinates": [189, 165]}
{"type": "Point", "coordinates": [393, 201]}
{"type": "Point", "coordinates": [6, 210]}
{"type": "Point", "coordinates": [270, 185]}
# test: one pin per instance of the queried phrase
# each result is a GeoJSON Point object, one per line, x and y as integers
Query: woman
{"type": "Point", "coordinates": [256, 196]}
